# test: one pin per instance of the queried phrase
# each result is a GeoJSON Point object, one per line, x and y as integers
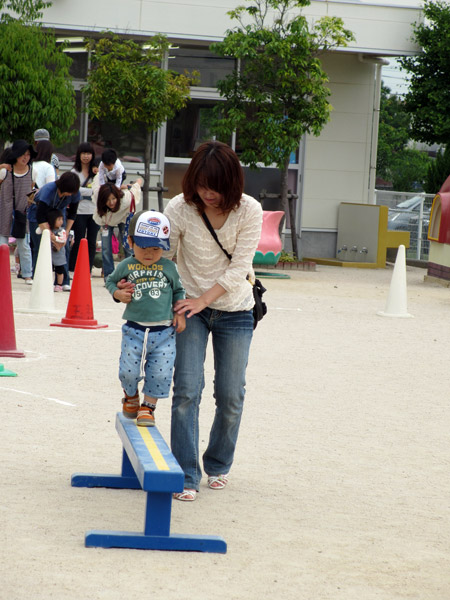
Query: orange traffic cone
{"type": "Point", "coordinates": [79, 312]}
{"type": "Point", "coordinates": [7, 330]}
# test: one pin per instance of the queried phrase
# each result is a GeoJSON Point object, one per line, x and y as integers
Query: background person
{"type": "Point", "coordinates": [111, 169]}
{"type": "Point", "coordinates": [15, 185]}
{"type": "Point", "coordinates": [64, 195]}
{"type": "Point", "coordinates": [113, 207]}
{"type": "Point", "coordinates": [43, 135]}
{"type": "Point", "coordinates": [43, 172]}
{"type": "Point", "coordinates": [84, 225]}
{"type": "Point", "coordinates": [219, 302]}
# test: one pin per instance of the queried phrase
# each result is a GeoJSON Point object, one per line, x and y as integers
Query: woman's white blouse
{"type": "Point", "coordinates": [202, 264]}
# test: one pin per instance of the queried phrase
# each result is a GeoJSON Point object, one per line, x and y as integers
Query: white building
{"type": "Point", "coordinates": [338, 166]}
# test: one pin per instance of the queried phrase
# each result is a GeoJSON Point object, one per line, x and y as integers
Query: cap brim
{"type": "Point", "coordinates": [147, 242]}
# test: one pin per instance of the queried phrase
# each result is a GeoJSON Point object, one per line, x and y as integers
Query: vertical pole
{"type": "Point", "coordinates": [157, 513]}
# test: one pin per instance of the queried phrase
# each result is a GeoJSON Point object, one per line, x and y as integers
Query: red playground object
{"type": "Point", "coordinates": [7, 329]}
{"type": "Point", "coordinates": [80, 313]}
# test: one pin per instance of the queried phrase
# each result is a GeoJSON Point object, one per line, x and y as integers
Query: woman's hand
{"type": "Point", "coordinates": [191, 306]}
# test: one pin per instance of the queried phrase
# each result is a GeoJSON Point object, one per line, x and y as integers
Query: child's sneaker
{"type": "Point", "coordinates": [58, 288]}
{"type": "Point", "coordinates": [145, 417]}
{"type": "Point", "coordinates": [130, 406]}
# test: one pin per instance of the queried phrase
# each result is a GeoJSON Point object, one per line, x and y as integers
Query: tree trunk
{"type": "Point", "coordinates": [289, 206]}
{"type": "Point", "coordinates": [147, 159]}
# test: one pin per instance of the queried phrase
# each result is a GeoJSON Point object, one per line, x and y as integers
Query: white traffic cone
{"type": "Point", "coordinates": [42, 298]}
{"type": "Point", "coordinates": [396, 305]}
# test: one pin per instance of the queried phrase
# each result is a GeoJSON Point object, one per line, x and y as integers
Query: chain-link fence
{"type": "Point", "coordinates": [409, 212]}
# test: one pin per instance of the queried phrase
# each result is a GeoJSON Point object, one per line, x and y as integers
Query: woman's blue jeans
{"type": "Point", "coordinates": [231, 337]}
{"type": "Point", "coordinates": [107, 253]}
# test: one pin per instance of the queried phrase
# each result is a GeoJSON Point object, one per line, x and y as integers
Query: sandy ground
{"type": "Point", "coordinates": [340, 487]}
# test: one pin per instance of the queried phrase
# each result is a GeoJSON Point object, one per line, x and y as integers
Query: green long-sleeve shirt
{"type": "Point", "coordinates": [157, 288]}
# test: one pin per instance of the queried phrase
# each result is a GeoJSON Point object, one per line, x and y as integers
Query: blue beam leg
{"type": "Point", "coordinates": [126, 480]}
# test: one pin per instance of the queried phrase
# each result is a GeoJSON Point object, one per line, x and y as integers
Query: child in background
{"type": "Point", "coordinates": [152, 286]}
{"type": "Point", "coordinates": [111, 169]}
{"type": "Point", "coordinates": [56, 222]}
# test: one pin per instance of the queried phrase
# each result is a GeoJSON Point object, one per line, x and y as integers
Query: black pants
{"type": "Point", "coordinates": [83, 227]}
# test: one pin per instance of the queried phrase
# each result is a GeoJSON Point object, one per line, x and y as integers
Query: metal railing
{"type": "Point", "coordinates": [414, 220]}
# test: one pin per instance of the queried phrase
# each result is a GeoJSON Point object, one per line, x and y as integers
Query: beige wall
{"type": "Point", "coordinates": [377, 28]}
{"type": "Point", "coordinates": [337, 162]}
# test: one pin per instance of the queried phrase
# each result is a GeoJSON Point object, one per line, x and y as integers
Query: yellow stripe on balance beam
{"type": "Point", "coordinates": [153, 449]}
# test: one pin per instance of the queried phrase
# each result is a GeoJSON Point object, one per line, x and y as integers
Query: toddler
{"type": "Point", "coordinates": [148, 335]}
{"type": "Point", "coordinates": [56, 220]}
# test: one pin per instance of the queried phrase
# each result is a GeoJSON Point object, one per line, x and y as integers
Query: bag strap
{"type": "Point", "coordinates": [213, 233]}
{"type": "Point", "coordinates": [132, 204]}
{"type": "Point", "coordinates": [14, 189]}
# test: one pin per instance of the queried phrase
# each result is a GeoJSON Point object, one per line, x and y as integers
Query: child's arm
{"type": "Point", "coordinates": [120, 171]}
{"type": "Point", "coordinates": [101, 173]}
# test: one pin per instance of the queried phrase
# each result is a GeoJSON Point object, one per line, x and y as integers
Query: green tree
{"type": "Point", "coordinates": [35, 88]}
{"type": "Point", "coordinates": [25, 11]}
{"type": "Point", "coordinates": [428, 97]}
{"type": "Point", "coordinates": [394, 131]}
{"type": "Point", "coordinates": [127, 85]}
{"type": "Point", "coordinates": [278, 91]}
{"type": "Point", "coordinates": [406, 167]}
{"type": "Point", "coordinates": [438, 171]}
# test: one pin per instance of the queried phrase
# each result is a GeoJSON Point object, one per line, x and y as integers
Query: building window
{"type": "Point", "coordinates": [190, 127]}
{"type": "Point", "coordinates": [212, 68]}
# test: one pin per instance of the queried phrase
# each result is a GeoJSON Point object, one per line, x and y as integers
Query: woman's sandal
{"type": "Point", "coordinates": [186, 495]}
{"type": "Point", "coordinates": [217, 482]}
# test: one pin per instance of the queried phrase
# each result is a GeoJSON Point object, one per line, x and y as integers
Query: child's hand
{"type": "Point", "coordinates": [124, 296]}
{"type": "Point", "coordinates": [179, 322]}
{"type": "Point", "coordinates": [123, 284]}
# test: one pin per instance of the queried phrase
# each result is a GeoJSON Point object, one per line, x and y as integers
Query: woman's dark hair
{"type": "Point", "coordinates": [52, 215]}
{"type": "Point", "coordinates": [84, 147]}
{"type": "Point", "coordinates": [68, 183]}
{"type": "Point", "coordinates": [214, 166]}
{"type": "Point", "coordinates": [44, 150]}
{"type": "Point", "coordinates": [104, 193]}
{"type": "Point", "coordinates": [109, 156]}
{"type": "Point", "coordinates": [18, 148]}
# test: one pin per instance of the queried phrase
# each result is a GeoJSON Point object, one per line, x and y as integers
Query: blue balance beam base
{"type": "Point", "coordinates": [147, 464]}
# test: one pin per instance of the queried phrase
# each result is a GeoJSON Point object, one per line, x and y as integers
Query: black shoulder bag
{"type": "Point", "coordinates": [19, 220]}
{"type": "Point", "coordinates": [260, 307]}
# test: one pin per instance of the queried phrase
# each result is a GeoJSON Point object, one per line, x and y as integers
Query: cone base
{"type": "Point", "coordinates": [5, 373]}
{"type": "Point", "coordinates": [381, 313]}
{"type": "Point", "coordinates": [12, 353]}
{"type": "Point", "coordinates": [79, 324]}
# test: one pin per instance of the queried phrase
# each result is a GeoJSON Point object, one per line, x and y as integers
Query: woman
{"type": "Point", "coordinates": [113, 207]}
{"type": "Point", "coordinates": [219, 302]}
{"type": "Point", "coordinates": [15, 185]}
{"type": "Point", "coordinates": [43, 172]}
{"type": "Point", "coordinates": [84, 226]}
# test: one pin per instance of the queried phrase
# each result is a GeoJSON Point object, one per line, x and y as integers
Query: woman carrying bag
{"type": "Point", "coordinates": [15, 185]}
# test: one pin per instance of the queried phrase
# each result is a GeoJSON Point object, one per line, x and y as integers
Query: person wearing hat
{"type": "Point", "coordinates": [16, 182]}
{"type": "Point", "coordinates": [41, 135]}
{"type": "Point", "coordinates": [148, 335]}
